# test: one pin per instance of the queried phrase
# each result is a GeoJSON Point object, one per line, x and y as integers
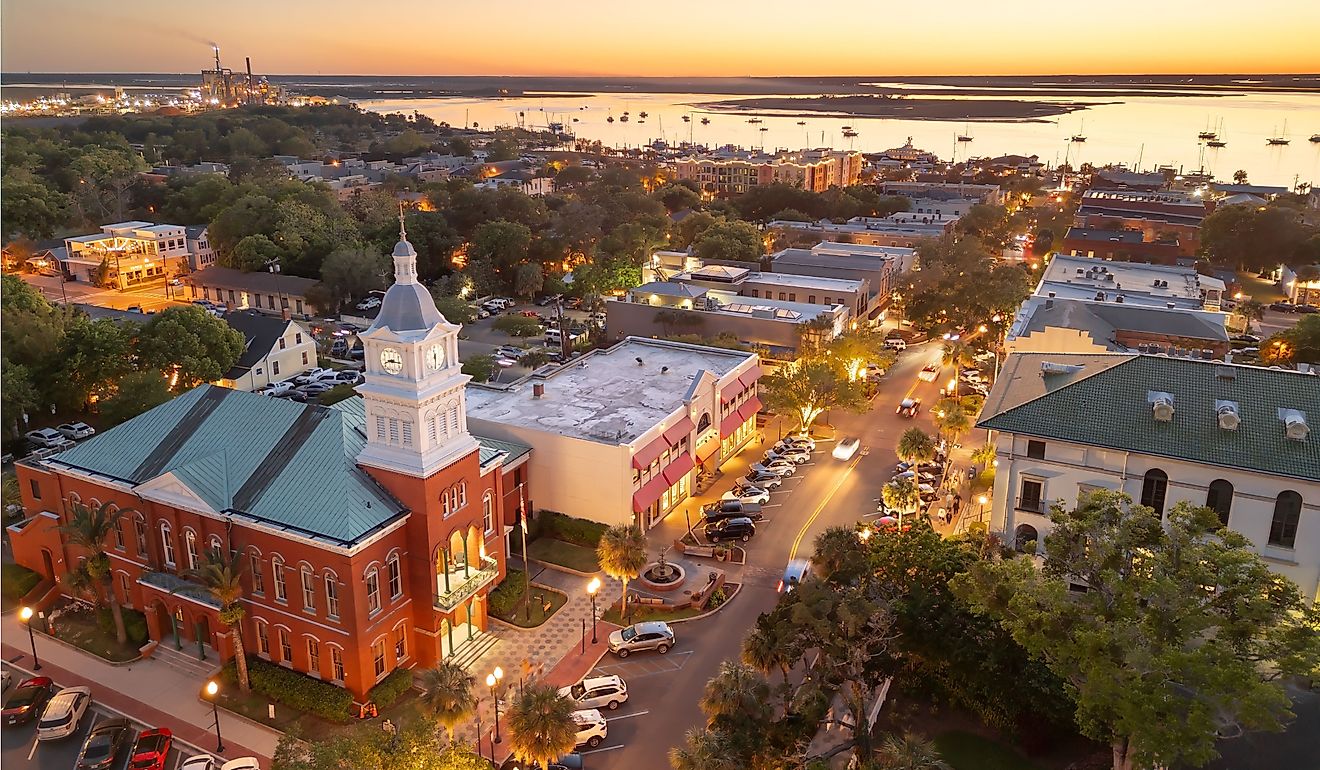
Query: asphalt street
{"type": "Point", "coordinates": [664, 690]}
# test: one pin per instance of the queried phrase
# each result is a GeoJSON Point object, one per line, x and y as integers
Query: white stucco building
{"type": "Point", "coordinates": [1161, 430]}
{"type": "Point", "coordinates": [621, 434]}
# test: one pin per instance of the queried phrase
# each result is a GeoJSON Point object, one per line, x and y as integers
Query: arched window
{"type": "Point", "coordinates": [488, 513]}
{"type": "Point", "coordinates": [1154, 488]}
{"type": "Point", "coordinates": [1287, 512]}
{"type": "Point", "coordinates": [1025, 538]}
{"type": "Point", "coordinates": [332, 597]}
{"type": "Point", "coordinates": [1219, 498]}
{"type": "Point", "coordinates": [166, 544]}
{"type": "Point", "coordinates": [119, 532]}
{"type": "Point", "coordinates": [263, 639]}
{"type": "Point", "coordinates": [308, 587]}
{"type": "Point", "coordinates": [140, 531]}
{"type": "Point", "coordinates": [373, 590]}
{"type": "Point", "coordinates": [395, 575]}
{"type": "Point", "coordinates": [258, 574]}
{"type": "Point", "coordinates": [277, 574]}
{"type": "Point", "coordinates": [704, 422]}
{"type": "Point", "coordinates": [313, 655]}
{"type": "Point", "coordinates": [216, 547]}
{"type": "Point", "coordinates": [190, 547]}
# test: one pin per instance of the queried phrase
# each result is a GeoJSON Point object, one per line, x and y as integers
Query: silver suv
{"type": "Point", "coordinates": [651, 635]}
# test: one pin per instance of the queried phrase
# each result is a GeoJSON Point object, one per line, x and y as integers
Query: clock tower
{"type": "Point", "coordinates": [416, 415]}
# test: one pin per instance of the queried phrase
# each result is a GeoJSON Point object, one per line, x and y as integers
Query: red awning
{"type": "Point", "coordinates": [749, 408]}
{"type": "Point", "coordinates": [678, 430]}
{"type": "Point", "coordinates": [679, 468]}
{"type": "Point", "coordinates": [643, 457]}
{"type": "Point", "coordinates": [729, 424]}
{"type": "Point", "coordinates": [708, 449]}
{"type": "Point", "coordinates": [750, 376]}
{"type": "Point", "coordinates": [728, 392]}
{"type": "Point", "coordinates": [649, 493]}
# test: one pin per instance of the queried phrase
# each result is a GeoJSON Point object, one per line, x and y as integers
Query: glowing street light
{"type": "Point", "coordinates": [592, 588]}
{"type": "Point", "coordinates": [25, 615]}
{"type": "Point", "coordinates": [864, 534]}
{"type": "Point", "coordinates": [211, 689]}
{"type": "Point", "coordinates": [492, 681]}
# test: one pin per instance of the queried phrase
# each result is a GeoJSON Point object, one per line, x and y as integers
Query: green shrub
{"type": "Point", "coordinates": [16, 580]}
{"type": "Point", "coordinates": [568, 529]}
{"type": "Point", "coordinates": [391, 687]}
{"type": "Point", "coordinates": [506, 595]}
{"type": "Point", "coordinates": [135, 623]}
{"type": "Point", "coordinates": [517, 325]}
{"type": "Point", "coordinates": [297, 690]}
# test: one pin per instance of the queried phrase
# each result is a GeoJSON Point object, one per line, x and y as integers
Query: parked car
{"type": "Point", "coordinates": [315, 388]}
{"type": "Point", "coordinates": [549, 299]}
{"type": "Point", "coordinates": [908, 407]}
{"type": "Point", "coordinates": [510, 351]}
{"type": "Point", "coordinates": [731, 509]}
{"type": "Point", "coordinates": [275, 388]}
{"type": "Point", "coordinates": [778, 467]}
{"type": "Point", "coordinates": [357, 353]}
{"type": "Point", "coordinates": [747, 495]}
{"type": "Point", "coordinates": [597, 692]}
{"type": "Point", "coordinates": [46, 437]}
{"type": "Point", "coordinates": [293, 395]}
{"type": "Point", "coordinates": [1308, 309]}
{"type": "Point", "coordinates": [794, 573]}
{"type": "Point", "coordinates": [346, 377]}
{"type": "Point", "coordinates": [767, 481]}
{"type": "Point", "coordinates": [504, 363]}
{"type": "Point", "coordinates": [797, 440]}
{"type": "Point", "coordinates": [76, 430]}
{"type": "Point", "coordinates": [846, 448]}
{"type": "Point", "coordinates": [736, 528]}
{"type": "Point", "coordinates": [314, 375]}
{"type": "Point", "coordinates": [370, 303]}
{"type": "Point", "coordinates": [1282, 307]}
{"type": "Point", "coordinates": [794, 454]}
{"type": "Point", "coordinates": [873, 372]}
{"type": "Point", "coordinates": [27, 700]}
{"type": "Point", "coordinates": [896, 343]}
{"type": "Point", "coordinates": [151, 749]}
{"type": "Point", "coordinates": [591, 728]}
{"type": "Point", "coordinates": [207, 762]}
{"type": "Point", "coordinates": [63, 713]}
{"type": "Point", "coordinates": [242, 763]}
{"type": "Point", "coordinates": [649, 635]}
{"type": "Point", "coordinates": [1250, 339]}
{"type": "Point", "coordinates": [107, 741]}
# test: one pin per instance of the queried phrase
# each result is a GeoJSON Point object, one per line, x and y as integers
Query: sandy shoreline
{"type": "Point", "coordinates": [979, 110]}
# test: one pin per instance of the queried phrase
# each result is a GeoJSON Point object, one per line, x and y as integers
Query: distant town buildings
{"type": "Point", "coordinates": [737, 171]}
{"type": "Point", "coordinates": [270, 293]}
{"type": "Point", "coordinates": [1050, 325]}
{"type": "Point", "coordinates": [1132, 283]}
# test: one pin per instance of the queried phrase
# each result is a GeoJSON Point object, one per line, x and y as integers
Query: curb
{"type": "Point", "coordinates": [560, 568]}
{"type": "Point", "coordinates": [76, 648]}
{"type": "Point", "coordinates": [708, 613]}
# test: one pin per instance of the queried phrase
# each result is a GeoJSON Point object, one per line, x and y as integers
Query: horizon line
{"type": "Point", "coordinates": [700, 77]}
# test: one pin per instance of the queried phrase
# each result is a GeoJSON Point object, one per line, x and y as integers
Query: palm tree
{"type": "Point", "coordinates": [737, 692]}
{"type": "Point", "coordinates": [88, 529]}
{"type": "Point", "coordinates": [984, 454]}
{"type": "Point", "coordinates": [911, 752]}
{"type": "Point", "coordinates": [705, 750]}
{"type": "Point", "coordinates": [541, 727]}
{"type": "Point", "coordinates": [447, 694]}
{"type": "Point", "coordinates": [622, 555]}
{"type": "Point", "coordinates": [915, 445]}
{"type": "Point", "coordinates": [901, 495]}
{"type": "Point", "coordinates": [222, 576]}
{"type": "Point", "coordinates": [958, 355]}
{"type": "Point", "coordinates": [951, 419]}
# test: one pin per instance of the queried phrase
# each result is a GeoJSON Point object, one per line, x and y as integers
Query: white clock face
{"type": "Point", "coordinates": [435, 357]}
{"type": "Point", "coordinates": [391, 361]}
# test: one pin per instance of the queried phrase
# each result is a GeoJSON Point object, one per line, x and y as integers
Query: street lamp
{"type": "Point", "coordinates": [592, 588]}
{"type": "Point", "coordinates": [527, 582]}
{"type": "Point", "coordinates": [211, 689]}
{"type": "Point", "coordinates": [25, 615]}
{"type": "Point", "coordinates": [864, 534]}
{"type": "Point", "coordinates": [492, 681]}
{"type": "Point", "coordinates": [982, 499]}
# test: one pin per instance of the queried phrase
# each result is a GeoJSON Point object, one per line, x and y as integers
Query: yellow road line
{"type": "Point", "coordinates": [797, 541]}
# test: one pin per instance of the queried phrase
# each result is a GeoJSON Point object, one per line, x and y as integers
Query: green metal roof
{"type": "Point", "coordinates": [285, 464]}
{"type": "Point", "coordinates": [493, 448]}
{"type": "Point", "coordinates": [1111, 408]}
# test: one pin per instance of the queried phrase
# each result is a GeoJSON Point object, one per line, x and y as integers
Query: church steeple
{"type": "Point", "coordinates": [405, 256]}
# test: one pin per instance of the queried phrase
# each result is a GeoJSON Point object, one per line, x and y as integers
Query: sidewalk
{"type": "Point", "coordinates": [148, 691]}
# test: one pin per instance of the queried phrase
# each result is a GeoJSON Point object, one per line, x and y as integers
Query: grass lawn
{"type": "Point", "coordinates": [642, 613]}
{"type": "Point", "coordinates": [564, 554]}
{"type": "Point", "coordinates": [254, 706]}
{"type": "Point", "coordinates": [1259, 288]}
{"type": "Point", "coordinates": [518, 614]}
{"type": "Point", "coordinates": [15, 582]}
{"type": "Point", "coordinates": [79, 628]}
{"type": "Point", "coordinates": [968, 751]}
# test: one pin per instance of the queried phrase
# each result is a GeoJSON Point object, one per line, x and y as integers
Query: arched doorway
{"type": "Point", "coordinates": [48, 564]}
{"type": "Point", "coordinates": [1025, 539]}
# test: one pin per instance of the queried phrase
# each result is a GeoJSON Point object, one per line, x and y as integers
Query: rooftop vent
{"type": "Point", "coordinates": [538, 389]}
{"type": "Point", "coordinates": [1225, 373]}
{"type": "Point", "coordinates": [1227, 414]}
{"type": "Point", "coordinates": [664, 370]}
{"type": "Point", "coordinates": [1119, 298]}
{"type": "Point", "coordinates": [1294, 424]}
{"type": "Point", "coordinates": [1050, 367]}
{"type": "Point", "coordinates": [639, 361]}
{"type": "Point", "coordinates": [1161, 405]}
{"type": "Point", "coordinates": [1051, 295]}
{"type": "Point", "coordinates": [1110, 277]}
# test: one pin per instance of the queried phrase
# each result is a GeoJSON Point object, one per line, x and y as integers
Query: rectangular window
{"type": "Point", "coordinates": [396, 579]}
{"type": "Point", "coordinates": [283, 344]}
{"type": "Point", "coordinates": [1030, 499]}
{"type": "Point", "coordinates": [313, 656]}
{"type": "Point", "coordinates": [167, 546]}
{"type": "Point", "coordinates": [190, 545]}
{"type": "Point", "coordinates": [281, 590]}
{"type": "Point", "coordinates": [407, 431]}
{"type": "Point", "coordinates": [337, 663]}
{"type": "Point", "coordinates": [298, 303]}
{"type": "Point", "coordinates": [304, 358]}
{"type": "Point", "coordinates": [783, 296]}
{"type": "Point", "coordinates": [378, 657]}
{"type": "Point", "coordinates": [488, 514]}
{"type": "Point", "coordinates": [258, 579]}
{"type": "Point", "coordinates": [373, 591]}
{"type": "Point", "coordinates": [308, 590]}
{"type": "Point", "coordinates": [811, 299]}
{"type": "Point", "coordinates": [274, 367]}
{"type": "Point", "coordinates": [286, 649]}
{"type": "Point", "coordinates": [119, 533]}
{"type": "Point", "coordinates": [263, 641]}
{"type": "Point", "coordinates": [297, 338]}
{"type": "Point", "coordinates": [380, 427]}
{"type": "Point", "coordinates": [401, 643]}
{"type": "Point", "coordinates": [36, 488]}
{"type": "Point", "coordinates": [462, 494]}
{"type": "Point", "coordinates": [394, 430]}
{"type": "Point", "coordinates": [1036, 450]}
{"type": "Point", "coordinates": [331, 598]}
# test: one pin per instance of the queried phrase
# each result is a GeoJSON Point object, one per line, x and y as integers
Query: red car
{"type": "Point", "coordinates": [28, 700]}
{"type": "Point", "coordinates": [151, 749]}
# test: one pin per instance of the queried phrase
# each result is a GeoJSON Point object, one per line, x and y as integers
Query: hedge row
{"type": "Point", "coordinates": [391, 687]}
{"type": "Point", "coordinates": [507, 594]}
{"type": "Point", "coordinates": [566, 528]}
{"type": "Point", "coordinates": [298, 691]}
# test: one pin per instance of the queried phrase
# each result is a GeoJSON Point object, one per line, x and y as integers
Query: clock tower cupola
{"type": "Point", "coordinates": [416, 416]}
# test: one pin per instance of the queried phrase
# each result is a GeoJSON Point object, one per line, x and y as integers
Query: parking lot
{"type": "Point", "coordinates": [21, 749]}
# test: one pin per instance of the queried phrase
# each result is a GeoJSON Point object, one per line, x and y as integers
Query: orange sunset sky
{"type": "Point", "coordinates": [675, 38]}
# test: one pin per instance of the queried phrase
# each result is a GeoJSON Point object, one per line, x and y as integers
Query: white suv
{"type": "Point", "coordinates": [596, 692]}
{"type": "Point", "coordinates": [63, 713]}
{"type": "Point", "coordinates": [591, 728]}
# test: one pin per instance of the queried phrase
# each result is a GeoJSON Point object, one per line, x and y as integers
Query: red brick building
{"type": "Point", "coordinates": [372, 530]}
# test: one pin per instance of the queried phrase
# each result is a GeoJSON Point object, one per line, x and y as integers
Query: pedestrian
{"type": "Point", "coordinates": [942, 516]}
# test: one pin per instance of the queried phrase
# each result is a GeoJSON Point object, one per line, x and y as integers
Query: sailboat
{"type": "Point", "coordinates": [1280, 139]}
{"type": "Point", "coordinates": [753, 120]}
{"type": "Point", "coordinates": [687, 118]}
{"type": "Point", "coordinates": [802, 122]}
{"type": "Point", "coordinates": [1206, 133]}
{"type": "Point", "coordinates": [966, 135]}
{"type": "Point", "coordinates": [848, 132]}
{"type": "Point", "coordinates": [705, 121]}
{"type": "Point", "coordinates": [1080, 136]}
{"type": "Point", "coordinates": [1314, 138]}
{"type": "Point", "coordinates": [1214, 140]}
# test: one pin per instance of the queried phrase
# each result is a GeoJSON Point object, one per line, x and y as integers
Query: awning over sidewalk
{"type": "Point", "coordinates": [737, 386]}
{"type": "Point", "coordinates": [645, 497]}
{"type": "Point", "coordinates": [679, 468]}
{"type": "Point", "coordinates": [674, 433]}
{"type": "Point", "coordinates": [742, 414]}
{"type": "Point", "coordinates": [708, 449]}
{"type": "Point", "coordinates": [643, 457]}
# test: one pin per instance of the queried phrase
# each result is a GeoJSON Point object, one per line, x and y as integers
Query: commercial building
{"type": "Point", "coordinates": [1161, 430]}
{"type": "Point", "coordinates": [1125, 245]}
{"type": "Point", "coordinates": [978, 193]}
{"type": "Point", "coordinates": [371, 531]}
{"type": "Point", "coordinates": [866, 231]}
{"type": "Point", "coordinates": [1301, 283]}
{"type": "Point", "coordinates": [622, 434]}
{"type": "Point", "coordinates": [1085, 326]}
{"type": "Point", "coordinates": [1134, 283]}
{"type": "Point", "coordinates": [1173, 207]}
{"type": "Point", "coordinates": [736, 171]}
{"type": "Point", "coordinates": [275, 349]}
{"type": "Point", "coordinates": [127, 254]}
{"type": "Point", "coordinates": [270, 293]}
{"type": "Point", "coordinates": [877, 266]}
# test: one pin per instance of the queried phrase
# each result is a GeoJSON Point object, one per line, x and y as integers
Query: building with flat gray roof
{"type": "Point", "coordinates": [878, 266]}
{"type": "Point", "coordinates": [1085, 326]}
{"type": "Point", "coordinates": [1133, 283]}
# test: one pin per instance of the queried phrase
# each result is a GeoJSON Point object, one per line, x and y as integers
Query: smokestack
{"type": "Point", "coordinates": [216, 48]}
{"type": "Point", "coordinates": [248, 59]}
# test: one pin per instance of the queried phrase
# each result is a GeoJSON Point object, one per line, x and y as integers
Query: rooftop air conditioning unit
{"type": "Point", "coordinates": [1294, 424]}
{"type": "Point", "coordinates": [1227, 414]}
{"type": "Point", "coordinates": [1109, 276]}
{"type": "Point", "coordinates": [1161, 406]}
{"type": "Point", "coordinates": [1050, 367]}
